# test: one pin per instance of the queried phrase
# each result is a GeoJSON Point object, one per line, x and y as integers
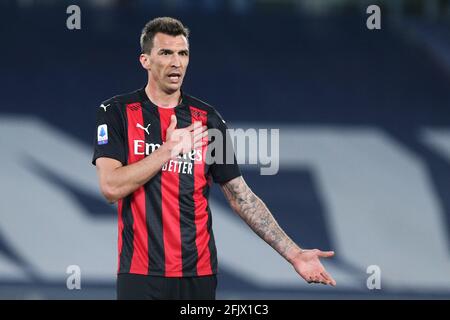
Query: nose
{"type": "Point", "coordinates": [176, 61]}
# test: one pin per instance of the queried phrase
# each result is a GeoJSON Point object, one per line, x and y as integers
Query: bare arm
{"type": "Point", "coordinates": [255, 213]}
{"type": "Point", "coordinates": [117, 181]}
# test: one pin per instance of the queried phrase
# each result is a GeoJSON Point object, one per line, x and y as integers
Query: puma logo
{"type": "Point", "coordinates": [138, 125]}
{"type": "Point", "coordinates": [104, 107]}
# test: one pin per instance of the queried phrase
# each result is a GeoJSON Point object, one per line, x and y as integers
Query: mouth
{"type": "Point", "coordinates": [174, 76]}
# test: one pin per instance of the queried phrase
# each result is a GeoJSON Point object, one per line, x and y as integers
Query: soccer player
{"type": "Point", "coordinates": [150, 155]}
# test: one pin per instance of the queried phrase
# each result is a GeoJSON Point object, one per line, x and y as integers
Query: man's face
{"type": "Point", "coordinates": [168, 61]}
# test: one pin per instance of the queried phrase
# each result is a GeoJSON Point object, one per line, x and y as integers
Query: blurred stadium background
{"type": "Point", "coordinates": [364, 119]}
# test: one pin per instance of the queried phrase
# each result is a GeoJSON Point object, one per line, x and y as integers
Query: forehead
{"type": "Point", "coordinates": [165, 41]}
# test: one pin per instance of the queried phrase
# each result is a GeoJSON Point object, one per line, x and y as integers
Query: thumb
{"type": "Point", "coordinates": [326, 254]}
{"type": "Point", "coordinates": [173, 122]}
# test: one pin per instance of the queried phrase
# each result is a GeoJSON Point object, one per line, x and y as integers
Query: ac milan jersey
{"type": "Point", "coordinates": [165, 226]}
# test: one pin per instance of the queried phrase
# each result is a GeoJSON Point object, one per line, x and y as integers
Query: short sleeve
{"type": "Point", "coordinates": [223, 171]}
{"type": "Point", "coordinates": [109, 137]}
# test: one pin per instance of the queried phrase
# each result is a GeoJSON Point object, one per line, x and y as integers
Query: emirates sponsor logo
{"type": "Point", "coordinates": [182, 164]}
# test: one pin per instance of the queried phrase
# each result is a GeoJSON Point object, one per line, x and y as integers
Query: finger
{"type": "Point", "coordinates": [319, 278]}
{"type": "Point", "coordinates": [200, 131]}
{"type": "Point", "coordinates": [323, 279]}
{"type": "Point", "coordinates": [305, 277]}
{"type": "Point", "coordinates": [205, 132]}
{"type": "Point", "coordinates": [329, 278]}
{"type": "Point", "coordinates": [325, 254]}
{"type": "Point", "coordinates": [197, 134]}
{"type": "Point", "coordinates": [200, 143]}
{"type": "Point", "coordinates": [197, 140]}
{"type": "Point", "coordinates": [200, 136]}
{"type": "Point", "coordinates": [203, 143]}
{"type": "Point", "coordinates": [310, 279]}
{"type": "Point", "coordinates": [325, 276]}
{"type": "Point", "coordinates": [173, 122]}
{"type": "Point", "coordinates": [333, 282]}
{"type": "Point", "coordinates": [194, 125]}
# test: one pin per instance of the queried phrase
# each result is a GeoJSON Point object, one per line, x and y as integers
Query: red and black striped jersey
{"type": "Point", "coordinates": [165, 226]}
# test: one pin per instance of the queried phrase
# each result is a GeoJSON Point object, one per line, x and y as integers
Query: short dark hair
{"type": "Point", "coordinates": [166, 25]}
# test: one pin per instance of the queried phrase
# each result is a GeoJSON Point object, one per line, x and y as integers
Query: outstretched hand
{"type": "Point", "coordinates": [308, 266]}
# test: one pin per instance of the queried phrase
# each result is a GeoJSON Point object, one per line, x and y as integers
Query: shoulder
{"type": "Point", "coordinates": [115, 105]}
{"type": "Point", "coordinates": [125, 98]}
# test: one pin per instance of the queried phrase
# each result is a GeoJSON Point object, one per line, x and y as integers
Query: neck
{"type": "Point", "coordinates": [160, 98]}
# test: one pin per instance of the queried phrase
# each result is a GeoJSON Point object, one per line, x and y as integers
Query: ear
{"type": "Point", "coordinates": [145, 61]}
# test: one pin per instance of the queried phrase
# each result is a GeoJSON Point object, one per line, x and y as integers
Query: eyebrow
{"type": "Point", "coordinates": [184, 51]}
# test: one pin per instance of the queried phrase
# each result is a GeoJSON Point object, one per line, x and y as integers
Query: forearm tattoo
{"type": "Point", "coordinates": [255, 213]}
